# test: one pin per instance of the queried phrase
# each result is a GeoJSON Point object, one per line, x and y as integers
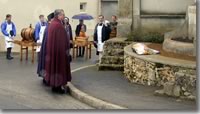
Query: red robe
{"type": "Point", "coordinates": [57, 63]}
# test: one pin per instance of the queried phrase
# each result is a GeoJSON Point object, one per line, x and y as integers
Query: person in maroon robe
{"type": "Point", "coordinates": [57, 63]}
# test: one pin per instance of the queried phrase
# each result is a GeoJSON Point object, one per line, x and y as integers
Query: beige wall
{"type": "Point", "coordinates": [26, 12]}
{"type": "Point", "coordinates": [162, 15]}
{"type": "Point", "coordinates": [165, 6]}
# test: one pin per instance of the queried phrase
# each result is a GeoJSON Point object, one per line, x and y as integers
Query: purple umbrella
{"type": "Point", "coordinates": [83, 16]}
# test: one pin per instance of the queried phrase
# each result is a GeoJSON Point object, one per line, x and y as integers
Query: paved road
{"type": "Point", "coordinates": [113, 87]}
{"type": "Point", "coordinates": [20, 88]}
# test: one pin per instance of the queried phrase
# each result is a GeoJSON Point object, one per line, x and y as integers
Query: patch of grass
{"type": "Point", "coordinates": [146, 36]}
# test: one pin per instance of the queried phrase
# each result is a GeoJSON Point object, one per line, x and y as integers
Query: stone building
{"type": "Point", "coordinates": [26, 12]}
{"type": "Point", "coordinates": [109, 8]}
{"type": "Point", "coordinates": [156, 14]}
{"type": "Point", "coordinates": [162, 15]}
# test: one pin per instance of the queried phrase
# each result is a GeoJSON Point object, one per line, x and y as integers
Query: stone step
{"type": "Point", "coordinates": [115, 45]}
{"type": "Point", "coordinates": [119, 60]}
{"type": "Point", "coordinates": [110, 67]}
{"type": "Point", "coordinates": [114, 52]}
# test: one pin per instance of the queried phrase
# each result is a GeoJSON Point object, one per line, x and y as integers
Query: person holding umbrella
{"type": "Point", "coordinates": [81, 27]}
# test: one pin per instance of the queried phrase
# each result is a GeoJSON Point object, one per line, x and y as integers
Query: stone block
{"type": "Point", "coordinates": [177, 91]}
{"type": "Point", "coordinates": [168, 88]}
{"type": "Point", "coordinates": [159, 92]}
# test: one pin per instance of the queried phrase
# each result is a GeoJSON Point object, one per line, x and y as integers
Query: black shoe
{"type": "Point", "coordinates": [45, 82]}
{"type": "Point", "coordinates": [67, 90]}
{"type": "Point", "coordinates": [61, 91]}
{"type": "Point", "coordinates": [9, 58]}
{"type": "Point", "coordinates": [58, 90]}
{"type": "Point", "coordinates": [54, 89]}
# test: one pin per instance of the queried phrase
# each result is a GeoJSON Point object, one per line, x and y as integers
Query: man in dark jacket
{"type": "Point", "coordinates": [101, 34]}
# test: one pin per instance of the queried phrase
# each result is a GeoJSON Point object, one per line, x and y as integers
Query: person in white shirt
{"type": "Point", "coordinates": [101, 34]}
{"type": "Point", "coordinates": [9, 31]}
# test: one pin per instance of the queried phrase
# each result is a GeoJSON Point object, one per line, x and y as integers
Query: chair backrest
{"type": "Point", "coordinates": [81, 41]}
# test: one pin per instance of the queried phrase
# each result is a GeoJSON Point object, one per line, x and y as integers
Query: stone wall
{"type": "Point", "coordinates": [176, 80]}
{"type": "Point", "coordinates": [113, 56]}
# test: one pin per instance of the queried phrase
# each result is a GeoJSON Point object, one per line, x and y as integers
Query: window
{"type": "Point", "coordinates": [83, 7]}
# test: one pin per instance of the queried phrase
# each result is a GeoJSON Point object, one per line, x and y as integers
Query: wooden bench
{"type": "Point", "coordinates": [25, 45]}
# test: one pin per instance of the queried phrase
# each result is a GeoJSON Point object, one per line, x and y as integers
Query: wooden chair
{"type": "Point", "coordinates": [82, 42]}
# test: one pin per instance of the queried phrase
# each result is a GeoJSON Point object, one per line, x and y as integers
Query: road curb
{"type": "Point", "coordinates": [90, 100]}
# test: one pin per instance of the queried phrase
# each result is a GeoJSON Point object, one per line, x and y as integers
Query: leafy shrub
{"type": "Point", "coordinates": [146, 36]}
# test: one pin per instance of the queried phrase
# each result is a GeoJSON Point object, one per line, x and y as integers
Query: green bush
{"type": "Point", "coordinates": [146, 36]}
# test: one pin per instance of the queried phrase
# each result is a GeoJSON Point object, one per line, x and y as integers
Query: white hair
{"type": "Point", "coordinates": [57, 12]}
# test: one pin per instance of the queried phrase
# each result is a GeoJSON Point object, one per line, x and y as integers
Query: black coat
{"type": "Point", "coordinates": [70, 34]}
{"type": "Point", "coordinates": [105, 33]}
{"type": "Point", "coordinates": [78, 29]}
{"type": "Point", "coordinates": [106, 30]}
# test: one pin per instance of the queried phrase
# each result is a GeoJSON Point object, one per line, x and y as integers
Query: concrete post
{"type": "Point", "coordinates": [125, 18]}
{"type": "Point", "coordinates": [136, 13]}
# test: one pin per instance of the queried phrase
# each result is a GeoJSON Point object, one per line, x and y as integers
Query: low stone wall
{"type": "Point", "coordinates": [177, 77]}
{"type": "Point", "coordinates": [113, 56]}
{"type": "Point", "coordinates": [179, 47]}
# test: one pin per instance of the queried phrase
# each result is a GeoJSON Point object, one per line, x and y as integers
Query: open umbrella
{"type": "Point", "coordinates": [82, 16]}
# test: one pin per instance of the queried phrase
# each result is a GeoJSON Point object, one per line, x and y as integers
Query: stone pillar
{"type": "Point", "coordinates": [192, 21]}
{"type": "Point", "coordinates": [192, 25]}
{"type": "Point", "coordinates": [136, 13]}
{"type": "Point", "coordinates": [125, 17]}
{"type": "Point", "coordinates": [99, 7]}
{"type": "Point", "coordinates": [129, 16]}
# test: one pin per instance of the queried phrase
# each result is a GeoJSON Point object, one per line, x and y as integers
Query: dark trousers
{"type": "Point", "coordinates": [81, 51]}
{"type": "Point", "coordinates": [8, 54]}
{"type": "Point", "coordinates": [38, 56]}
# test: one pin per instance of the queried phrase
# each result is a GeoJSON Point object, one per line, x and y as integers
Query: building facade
{"type": "Point", "coordinates": [109, 8]}
{"type": "Point", "coordinates": [26, 12]}
{"type": "Point", "coordinates": [162, 15]}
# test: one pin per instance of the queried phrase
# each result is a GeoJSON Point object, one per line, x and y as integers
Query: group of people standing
{"type": "Point", "coordinates": [102, 33]}
{"type": "Point", "coordinates": [55, 37]}
{"type": "Point", "coordinates": [54, 58]}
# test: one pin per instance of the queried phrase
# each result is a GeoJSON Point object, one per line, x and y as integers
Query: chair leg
{"type": "Point", "coordinates": [86, 48]}
{"type": "Point", "coordinates": [90, 51]}
{"type": "Point", "coordinates": [77, 49]}
{"type": "Point", "coordinates": [21, 53]}
{"type": "Point", "coordinates": [75, 52]}
{"type": "Point", "coordinates": [26, 53]}
{"type": "Point", "coordinates": [33, 54]}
